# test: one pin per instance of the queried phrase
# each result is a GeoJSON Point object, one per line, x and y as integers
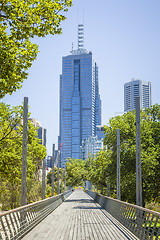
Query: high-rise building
{"type": "Point", "coordinates": [80, 104]}
{"type": "Point", "coordinates": [41, 131]}
{"type": "Point", "coordinates": [91, 146]}
{"type": "Point", "coordinates": [100, 132]}
{"type": "Point", "coordinates": [49, 160]}
{"type": "Point", "coordinates": [137, 88]}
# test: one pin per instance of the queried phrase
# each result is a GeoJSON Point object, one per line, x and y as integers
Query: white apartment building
{"type": "Point", "coordinates": [137, 88]}
{"type": "Point", "coordinates": [91, 146]}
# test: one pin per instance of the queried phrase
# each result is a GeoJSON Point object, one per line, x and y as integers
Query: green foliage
{"type": "Point", "coordinates": [48, 191]}
{"type": "Point", "coordinates": [49, 181]}
{"type": "Point", "coordinates": [20, 21]}
{"type": "Point", "coordinates": [97, 168]}
{"type": "Point", "coordinates": [10, 195]}
{"type": "Point", "coordinates": [126, 124]}
{"type": "Point", "coordinates": [16, 57]}
{"type": "Point", "coordinates": [102, 168]}
{"type": "Point", "coordinates": [11, 136]}
{"type": "Point", "coordinates": [76, 172]}
{"type": "Point", "coordinates": [49, 176]}
{"type": "Point", "coordinates": [34, 190]}
{"type": "Point", "coordinates": [150, 154]}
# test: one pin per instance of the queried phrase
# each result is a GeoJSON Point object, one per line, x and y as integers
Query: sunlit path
{"type": "Point", "coordinates": [79, 218]}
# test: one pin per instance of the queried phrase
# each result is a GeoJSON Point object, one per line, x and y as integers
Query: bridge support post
{"type": "Point", "coordinates": [58, 187]}
{"type": "Point", "coordinates": [64, 179]}
{"type": "Point", "coordinates": [101, 189]}
{"type": "Point", "coordinates": [108, 187]}
{"type": "Point", "coordinates": [53, 170]}
{"type": "Point", "coordinates": [118, 166]}
{"type": "Point", "coordinates": [62, 175]}
{"type": "Point", "coordinates": [24, 154]}
{"type": "Point", "coordinates": [138, 155]}
{"type": "Point", "coordinates": [44, 179]}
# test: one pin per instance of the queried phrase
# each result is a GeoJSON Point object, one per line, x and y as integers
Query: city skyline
{"type": "Point", "coordinates": [124, 38]}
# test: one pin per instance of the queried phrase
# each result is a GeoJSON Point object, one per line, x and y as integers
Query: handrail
{"type": "Point", "coordinates": [144, 223]}
{"type": "Point", "coordinates": [16, 223]}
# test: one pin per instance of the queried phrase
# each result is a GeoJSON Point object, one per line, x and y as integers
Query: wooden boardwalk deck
{"type": "Point", "coordinates": [79, 218]}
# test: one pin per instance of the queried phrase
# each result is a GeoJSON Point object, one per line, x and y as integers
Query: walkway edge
{"type": "Point", "coordinates": [142, 222]}
{"type": "Point", "coordinates": [16, 223]}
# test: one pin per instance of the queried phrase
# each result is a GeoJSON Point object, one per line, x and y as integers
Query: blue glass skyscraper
{"type": "Point", "coordinates": [80, 104]}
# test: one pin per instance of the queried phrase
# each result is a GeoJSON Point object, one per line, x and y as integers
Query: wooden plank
{"type": "Point", "coordinates": [80, 218]}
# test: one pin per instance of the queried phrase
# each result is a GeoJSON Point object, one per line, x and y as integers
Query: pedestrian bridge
{"type": "Point", "coordinates": [81, 216]}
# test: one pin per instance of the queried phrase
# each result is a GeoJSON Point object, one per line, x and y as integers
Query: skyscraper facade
{"type": "Point", "coordinates": [137, 88]}
{"type": "Point", "coordinates": [80, 104]}
{"type": "Point", "coordinates": [42, 132]}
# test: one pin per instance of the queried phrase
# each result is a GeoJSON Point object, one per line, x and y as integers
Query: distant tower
{"type": "Point", "coordinates": [80, 104]}
{"type": "Point", "coordinates": [137, 88]}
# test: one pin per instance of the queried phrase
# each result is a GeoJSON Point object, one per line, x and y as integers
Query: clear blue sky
{"type": "Point", "coordinates": [124, 36]}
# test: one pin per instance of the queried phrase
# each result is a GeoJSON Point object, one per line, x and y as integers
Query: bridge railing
{"type": "Point", "coordinates": [14, 224]}
{"type": "Point", "coordinates": [144, 223]}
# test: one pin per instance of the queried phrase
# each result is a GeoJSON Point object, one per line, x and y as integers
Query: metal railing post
{"type": "Point", "coordinates": [58, 188]}
{"type": "Point", "coordinates": [118, 165]}
{"type": "Point", "coordinates": [65, 179]}
{"type": "Point", "coordinates": [44, 179]}
{"type": "Point", "coordinates": [62, 175]}
{"type": "Point", "coordinates": [53, 170]}
{"type": "Point", "coordinates": [108, 186]}
{"type": "Point", "coordinates": [138, 155]}
{"type": "Point", "coordinates": [24, 154]}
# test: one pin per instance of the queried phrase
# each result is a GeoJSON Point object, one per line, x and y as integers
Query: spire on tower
{"type": "Point", "coordinates": [80, 36]}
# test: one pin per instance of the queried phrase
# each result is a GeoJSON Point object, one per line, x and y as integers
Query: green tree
{"type": "Point", "coordinates": [150, 154]}
{"type": "Point", "coordinates": [76, 172]}
{"type": "Point", "coordinates": [11, 134]}
{"type": "Point", "coordinates": [98, 169]}
{"type": "Point", "coordinates": [20, 21]}
{"type": "Point", "coordinates": [34, 190]}
{"type": "Point", "coordinates": [49, 176]}
{"type": "Point", "coordinates": [49, 180]}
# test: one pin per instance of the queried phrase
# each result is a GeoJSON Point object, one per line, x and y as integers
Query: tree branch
{"type": "Point", "coordinates": [9, 131]}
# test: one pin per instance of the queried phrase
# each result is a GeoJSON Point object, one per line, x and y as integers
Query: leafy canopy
{"type": "Point", "coordinates": [76, 172]}
{"type": "Point", "coordinates": [101, 169]}
{"type": "Point", "coordinates": [105, 163]}
{"type": "Point", "coordinates": [11, 138]}
{"type": "Point", "coordinates": [20, 21]}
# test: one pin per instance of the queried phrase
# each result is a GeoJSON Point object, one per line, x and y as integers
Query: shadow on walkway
{"type": "Point", "coordinates": [87, 207]}
{"type": "Point", "coordinates": [80, 201]}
